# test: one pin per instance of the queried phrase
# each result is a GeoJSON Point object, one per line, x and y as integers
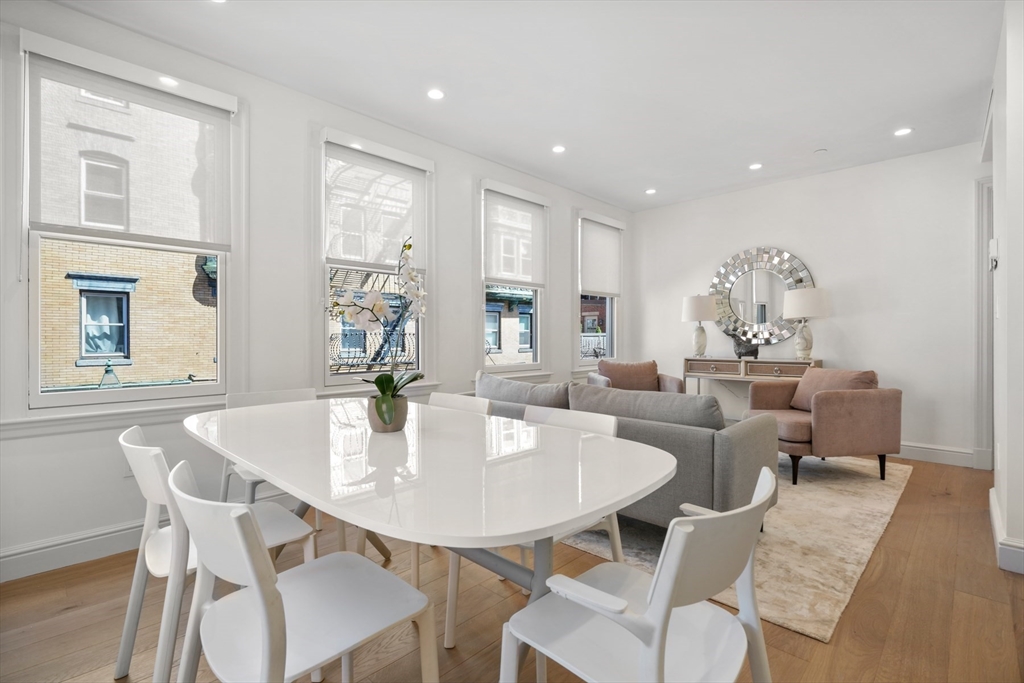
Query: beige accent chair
{"type": "Point", "coordinates": [635, 376]}
{"type": "Point", "coordinates": [831, 413]}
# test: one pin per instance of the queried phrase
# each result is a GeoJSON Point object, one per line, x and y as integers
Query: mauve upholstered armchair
{"type": "Point", "coordinates": [635, 376]}
{"type": "Point", "coordinates": [831, 413]}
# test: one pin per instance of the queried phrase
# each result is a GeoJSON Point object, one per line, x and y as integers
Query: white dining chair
{"type": "Point", "coordinates": [618, 623]}
{"type": "Point", "coordinates": [169, 552]}
{"type": "Point", "coordinates": [469, 404]}
{"type": "Point", "coordinates": [594, 423]}
{"type": "Point", "coordinates": [280, 627]}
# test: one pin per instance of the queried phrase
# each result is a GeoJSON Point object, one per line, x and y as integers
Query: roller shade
{"type": "Point", "coordinates": [600, 258]}
{"type": "Point", "coordinates": [372, 205]}
{"type": "Point", "coordinates": [515, 239]}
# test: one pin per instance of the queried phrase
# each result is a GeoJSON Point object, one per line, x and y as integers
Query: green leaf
{"type": "Point", "coordinates": [385, 384]}
{"type": "Point", "coordinates": [385, 407]}
{"type": "Point", "coordinates": [368, 381]}
{"type": "Point", "coordinates": [406, 379]}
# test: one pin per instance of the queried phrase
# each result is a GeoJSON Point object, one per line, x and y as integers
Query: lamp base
{"type": "Point", "coordinates": [700, 341]}
{"type": "Point", "coordinates": [804, 341]}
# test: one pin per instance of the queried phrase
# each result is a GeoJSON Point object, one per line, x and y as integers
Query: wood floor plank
{"type": "Point", "coordinates": [982, 647]}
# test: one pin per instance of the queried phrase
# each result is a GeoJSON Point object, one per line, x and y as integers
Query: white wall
{"type": "Point", "coordinates": [79, 467]}
{"type": "Point", "coordinates": [1007, 503]}
{"type": "Point", "coordinates": [891, 241]}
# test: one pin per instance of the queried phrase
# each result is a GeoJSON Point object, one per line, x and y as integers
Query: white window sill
{"type": "Point", "coordinates": [531, 376]}
{"type": "Point", "coordinates": [421, 388]}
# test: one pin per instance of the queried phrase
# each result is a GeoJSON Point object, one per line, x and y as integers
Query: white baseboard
{"type": "Point", "coordinates": [983, 459]}
{"type": "Point", "coordinates": [62, 551]}
{"type": "Point", "coordinates": [1009, 551]}
{"type": "Point", "coordinates": [942, 455]}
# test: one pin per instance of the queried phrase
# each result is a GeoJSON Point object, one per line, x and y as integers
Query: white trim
{"type": "Point", "coordinates": [520, 375]}
{"type": "Point", "coordinates": [943, 455]}
{"type": "Point", "coordinates": [1009, 551]}
{"type": "Point", "coordinates": [513, 191]}
{"type": "Point", "coordinates": [984, 420]}
{"type": "Point", "coordinates": [986, 137]}
{"type": "Point", "coordinates": [126, 71]}
{"type": "Point", "coordinates": [586, 214]}
{"type": "Point", "coordinates": [62, 551]}
{"type": "Point", "coordinates": [587, 364]}
{"type": "Point", "coordinates": [376, 149]}
{"type": "Point", "coordinates": [127, 238]}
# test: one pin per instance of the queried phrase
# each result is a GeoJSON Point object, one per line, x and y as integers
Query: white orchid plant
{"type": "Point", "coordinates": [374, 310]}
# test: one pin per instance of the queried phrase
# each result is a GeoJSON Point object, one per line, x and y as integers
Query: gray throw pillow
{"type": "Point", "coordinates": [511, 391]}
{"type": "Point", "coordinates": [681, 409]}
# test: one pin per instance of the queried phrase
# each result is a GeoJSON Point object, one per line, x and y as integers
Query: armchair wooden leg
{"type": "Point", "coordinates": [881, 465]}
{"type": "Point", "coordinates": [796, 466]}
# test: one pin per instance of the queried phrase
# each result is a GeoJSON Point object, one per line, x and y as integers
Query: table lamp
{"type": "Point", "coordinates": [800, 305]}
{"type": "Point", "coordinates": [697, 309]}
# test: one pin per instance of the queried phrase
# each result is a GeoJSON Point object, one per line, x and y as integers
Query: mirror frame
{"type": "Point", "coordinates": [779, 261]}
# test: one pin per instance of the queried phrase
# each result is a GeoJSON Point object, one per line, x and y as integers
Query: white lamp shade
{"type": "Point", "coordinates": [809, 302]}
{"type": "Point", "coordinates": [698, 308]}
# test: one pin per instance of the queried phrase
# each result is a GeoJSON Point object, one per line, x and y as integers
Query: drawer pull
{"type": "Point", "coordinates": [777, 370]}
{"type": "Point", "coordinates": [714, 368]}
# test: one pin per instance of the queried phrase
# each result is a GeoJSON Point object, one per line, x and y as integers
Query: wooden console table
{"type": "Point", "coordinates": [745, 369]}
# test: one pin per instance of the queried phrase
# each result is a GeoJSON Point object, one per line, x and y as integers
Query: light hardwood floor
{"type": "Point", "coordinates": [931, 606]}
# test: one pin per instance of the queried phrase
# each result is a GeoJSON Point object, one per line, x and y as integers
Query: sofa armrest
{"type": "Point", "coordinates": [670, 384]}
{"type": "Point", "coordinates": [741, 450]}
{"type": "Point", "coordinates": [771, 395]}
{"type": "Point", "coordinates": [598, 380]}
{"type": "Point", "coordinates": [856, 422]}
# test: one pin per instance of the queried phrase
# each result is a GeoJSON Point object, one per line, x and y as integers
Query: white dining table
{"type": "Point", "coordinates": [450, 478]}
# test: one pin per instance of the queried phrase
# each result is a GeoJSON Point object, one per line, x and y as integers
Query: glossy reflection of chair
{"type": "Point", "coordinates": [617, 623]}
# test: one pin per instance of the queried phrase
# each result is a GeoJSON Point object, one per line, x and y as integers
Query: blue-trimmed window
{"type": "Point", "coordinates": [525, 327]}
{"type": "Point", "coordinates": [103, 318]}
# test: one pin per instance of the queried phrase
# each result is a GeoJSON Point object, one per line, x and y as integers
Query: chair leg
{"type": "Point", "coordinates": [414, 565]}
{"type": "Point", "coordinates": [202, 595]}
{"type": "Point", "coordinates": [428, 645]}
{"type": "Point", "coordinates": [250, 492]}
{"type": "Point", "coordinates": [341, 529]}
{"type": "Point", "coordinates": [346, 668]}
{"type": "Point", "coordinates": [225, 481]}
{"type": "Point", "coordinates": [319, 520]}
{"type": "Point", "coordinates": [316, 676]}
{"type": "Point", "coordinates": [795, 459]}
{"type": "Point", "coordinates": [881, 465]}
{"type": "Point", "coordinates": [361, 541]}
{"type": "Point", "coordinates": [379, 544]}
{"type": "Point", "coordinates": [309, 551]}
{"type": "Point", "coordinates": [542, 667]}
{"type": "Point", "coordinates": [131, 618]}
{"type": "Point", "coordinates": [523, 560]}
{"type": "Point", "coordinates": [451, 608]}
{"type": "Point", "coordinates": [172, 606]}
{"type": "Point", "coordinates": [509, 672]}
{"type": "Point", "coordinates": [614, 538]}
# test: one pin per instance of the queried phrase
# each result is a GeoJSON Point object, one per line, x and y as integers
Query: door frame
{"type": "Point", "coordinates": [983, 326]}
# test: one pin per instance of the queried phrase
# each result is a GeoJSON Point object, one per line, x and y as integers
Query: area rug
{"type": "Point", "coordinates": [817, 541]}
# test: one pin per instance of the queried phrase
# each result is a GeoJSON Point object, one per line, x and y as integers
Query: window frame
{"type": "Point", "coordinates": [496, 331]}
{"type": "Point", "coordinates": [83, 304]}
{"type": "Point", "coordinates": [108, 161]}
{"type": "Point", "coordinates": [232, 294]}
{"type": "Point", "coordinates": [526, 348]}
{"type": "Point", "coordinates": [540, 335]}
{"type": "Point", "coordinates": [614, 300]}
{"type": "Point", "coordinates": [351, 383]}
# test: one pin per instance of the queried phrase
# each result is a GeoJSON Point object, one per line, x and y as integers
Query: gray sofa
{"type": "Point", "coordinates": [717, 467]}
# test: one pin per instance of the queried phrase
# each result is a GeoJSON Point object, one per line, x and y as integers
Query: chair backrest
{"type": "Point", "coordinates": [236, 557]}
{"type": "Point", "coordinates": [262, 398]}
{"type": "Point", "coordinates": [471, 404]}
{"type": "Point", "coordinates": [147, 463]}
{"type": "Point", "coordinates": [703, 556]}
{"type": "Point", "coordinates": [596, 423]}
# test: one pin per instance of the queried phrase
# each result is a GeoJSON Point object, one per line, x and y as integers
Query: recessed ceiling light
{"type": "Point", "coordinates": [219, 1]}
{"type": "Point", "coordinates": [904, 131]}
{"type": "Point", "coordinates": [651, 191]}
{"type": "Point", "coordinates": [356, 145]}
{"type": "Point", "coordinates": [168, 81]}
{"type": "Point", "coordinates": [558, 149]}
{"type": "Point", "coordinates": [754, 167]}
{"type": "Point", "coordinates": [435, 94]}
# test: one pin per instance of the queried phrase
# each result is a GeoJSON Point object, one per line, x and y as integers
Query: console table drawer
{"type": "Point", "coordinates": [769, 369]}
{"type": "Point", "coordinates": [714, 367]}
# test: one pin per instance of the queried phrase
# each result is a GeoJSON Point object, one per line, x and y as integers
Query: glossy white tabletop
{"type": "Point", "coordinates": [450, 478]}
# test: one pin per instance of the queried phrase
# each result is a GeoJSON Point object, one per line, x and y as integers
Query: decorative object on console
{"type": "Point", "coordinates": [749, 290]}
{"type": "Point", "coordinates": [831, 413]}
{"type": "Point", "coordinates": [744, 349]}
{"type": "Point", "coordinates": [698, 309]}
{"type": "Point", "coordinates": [387, 411]}
{"type": "Point", "coordinates": [642, 376]}
{"type": "Point", "coordinates": [801, 304]}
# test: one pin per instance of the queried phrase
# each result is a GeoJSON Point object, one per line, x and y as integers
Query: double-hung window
{"type": "Point", "coordinates": [374, 198]}
{"type": "Point", "coordinates": [129, 194]}
{"type": "Point", "coordinates": [600, 285]}
{"type": "Point", "coordinates": [515, 237]}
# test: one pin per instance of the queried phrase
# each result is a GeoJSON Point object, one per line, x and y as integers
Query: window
{"type": "Point", "coordinates": [104, 193]}
{"type": "Point", "coordinates": [372, 204]}
{"type": "Point", "coordinates": [515, 246]}
{"type": "Point", "coordinates": [130, 224]}
{"type": "Point", "coordinates": [600, 273]}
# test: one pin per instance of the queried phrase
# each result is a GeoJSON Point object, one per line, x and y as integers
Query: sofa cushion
{"type": "Point", "coordinates": [794, 425]}
{"type": "Point", "coordinates": [511, 391]}
{"type": "Point", "coordinates": [821, 379]}
{"type": "Point", "coordinates": [681, 409]}
{"type": "Point", "coordinates": [632, 376]}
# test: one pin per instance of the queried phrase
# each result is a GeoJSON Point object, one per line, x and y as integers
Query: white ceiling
{"type": "Point", "coordinates": [679, 96]}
